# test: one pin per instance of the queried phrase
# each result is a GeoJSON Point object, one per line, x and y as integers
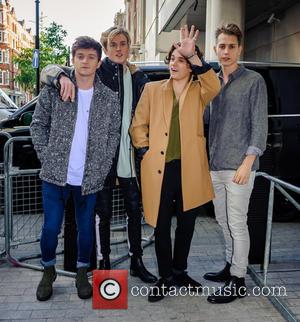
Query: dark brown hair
{"type": "Point", "coordinates": [86, 43]}
{"type": "Point", "coordinates": [230, 29]}
{"type": "Point", "coordinates": [168, 57]}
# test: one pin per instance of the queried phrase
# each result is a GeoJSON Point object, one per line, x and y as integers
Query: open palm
{"type": "Point", "coordinates": [187, 41]}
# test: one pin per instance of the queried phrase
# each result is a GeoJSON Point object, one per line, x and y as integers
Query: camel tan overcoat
{"type": "Point", "coordinates": [150, 128]}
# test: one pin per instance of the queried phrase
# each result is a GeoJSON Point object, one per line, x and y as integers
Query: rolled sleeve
{"type": "Point", "coordinates": [253, 150]}
{"type": "Point", "coordinates": [259, 115]}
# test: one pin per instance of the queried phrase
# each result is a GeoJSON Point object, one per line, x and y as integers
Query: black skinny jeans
{"type": "Point", "coordinates": [131, 196]}
{"type": "Point", "coordinates": [170, 203]}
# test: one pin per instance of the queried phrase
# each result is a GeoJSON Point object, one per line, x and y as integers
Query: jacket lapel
{"type": "Point", "coordinates": [167, 102]}
{"type": "Point", "coordinates": [183, 95]}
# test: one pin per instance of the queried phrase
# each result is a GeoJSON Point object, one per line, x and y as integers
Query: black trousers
{"type": "Point", "coordinates": [171, 203]}
{"type": "Point", "coordinates": [131, 196]}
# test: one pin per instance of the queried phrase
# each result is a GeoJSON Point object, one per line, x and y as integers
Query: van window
{"type": "Point", "coordinates": [286, 84]}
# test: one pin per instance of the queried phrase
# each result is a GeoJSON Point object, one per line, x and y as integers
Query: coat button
{"type": "Point", "coordinates": [159, 171]}
{"type": "Point", "coordinates": [166, 134]}
{"type": "Point", "coordinates": [162, 152]}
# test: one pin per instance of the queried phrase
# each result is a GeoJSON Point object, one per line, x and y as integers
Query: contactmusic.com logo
{"type": "Point", "coordinates": [110, 289]}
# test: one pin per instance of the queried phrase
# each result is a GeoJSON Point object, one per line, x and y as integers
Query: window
{"type": "Point", "coordinates": [7, 56]}
{"type": "Point", "coordinates": [1, 60]}
{"type": "Point", "coordinates": [6, 77]}
{"type": "Point", "coordinates": [1, 78]}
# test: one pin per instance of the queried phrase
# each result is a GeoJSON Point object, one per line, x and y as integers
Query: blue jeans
{"type": "Point", "coordinates": [54, 201]}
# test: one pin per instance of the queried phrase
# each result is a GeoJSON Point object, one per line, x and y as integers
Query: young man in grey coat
{"type": "Point", "coordinates": [75, 142]}
{"type": "Point", "coordinates": [237, 138]}
{"type": "Point", "coordinates": [128, 81]}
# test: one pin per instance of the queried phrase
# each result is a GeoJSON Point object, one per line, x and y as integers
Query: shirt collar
{"type": "Point", "coordinates": [234, 75]}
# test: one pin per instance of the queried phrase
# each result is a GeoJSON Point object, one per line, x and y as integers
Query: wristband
{"type": "Point", "coordinates": [190, 56]}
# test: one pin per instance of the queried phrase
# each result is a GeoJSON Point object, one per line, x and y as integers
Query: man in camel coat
{"type": "Point", "coordinates": [167, 131]}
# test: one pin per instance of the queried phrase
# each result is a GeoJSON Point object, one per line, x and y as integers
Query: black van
{"type": "Point", "coordinates": [283, 147]}
{"type": "Point", "coordinates": [281, 159]}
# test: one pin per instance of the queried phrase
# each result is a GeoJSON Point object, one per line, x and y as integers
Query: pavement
{"type": "Point", "coordinates": [18, 285]}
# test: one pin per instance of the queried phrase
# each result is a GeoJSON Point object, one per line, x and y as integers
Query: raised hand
{"type": "Point", "coordinates": [187, 41]}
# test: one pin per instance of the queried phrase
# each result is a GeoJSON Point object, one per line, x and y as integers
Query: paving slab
{"type": "Point", "coordinates": [18, 286]}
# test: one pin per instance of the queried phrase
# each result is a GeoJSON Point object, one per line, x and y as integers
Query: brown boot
{"type": "Point", "coordinates": [84, 288]}
{"type": "Point", "coordinates": [45, 290]}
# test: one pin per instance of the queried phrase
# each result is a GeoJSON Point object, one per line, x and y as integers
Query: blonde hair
{"type": "Point", "coordinates": [111, 33]}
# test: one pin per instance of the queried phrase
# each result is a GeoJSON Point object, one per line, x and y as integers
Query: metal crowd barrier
{"type": "Point", "coordinates": [4, 136]}
{"type": "Point", "coordinates": [281, 186]}
{"type": "Point", "coordinates": [22, 214]}
{"type": "Point", "coordinates": [2, 231]}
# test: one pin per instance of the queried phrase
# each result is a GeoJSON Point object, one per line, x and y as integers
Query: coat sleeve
{"type": "Point", "coordinates": [210, 86]}
{"type": "Point", "coordinates": [41, 122]}
{"type": "Point", "coordinates": [50, 74]}
{"type": "Point", "coordinates": [139, 129]}
{"type": "Point", "coordinates": [259, 118]}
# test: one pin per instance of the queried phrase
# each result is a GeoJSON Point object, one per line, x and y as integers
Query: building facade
{"type": "Point", "coordinates": [271, 28]}
{"type": "Point", "coordinates": [13, 36]}
{"type": "Point", "coordinates": [142, 22]}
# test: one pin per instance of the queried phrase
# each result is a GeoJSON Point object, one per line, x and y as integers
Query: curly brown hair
{"type": "Point", "coordinates": [168, 57]}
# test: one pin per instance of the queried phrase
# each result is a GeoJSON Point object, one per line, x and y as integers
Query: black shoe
{"type": "Point", "coordinates": [233, 289]}
{"type": "Point", "coordinates": [138, 269]}
{"type": "Point", "coordinates": [84, 288]}
{"type": "Point", "coordinates": [185, 280]}
{"type": "Point", "coordinates": [221, 276]}
{"type": "Point", "coordinates": [45, 290]}
{"type": "Point", "coordinates": [104, 264]}
{"type": "Point", "coordinates": [160, 290]}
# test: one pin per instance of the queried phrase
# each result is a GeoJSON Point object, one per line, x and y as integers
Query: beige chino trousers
{"type": "Point", "coordinates": [231, 208]}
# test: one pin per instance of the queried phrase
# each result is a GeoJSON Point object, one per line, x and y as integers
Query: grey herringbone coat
{"type": "Point", "coordinates": [52, 131]}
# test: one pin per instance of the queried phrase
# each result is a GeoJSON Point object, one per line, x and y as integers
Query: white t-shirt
{"type": "Point", "coordinates": [79, 143]}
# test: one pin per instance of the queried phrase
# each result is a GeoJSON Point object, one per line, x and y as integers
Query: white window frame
{"type": "Point", "coordinates": [5, 37]}
{"type": "Point", "coordinates": [5, 77]}
{"type": "Point", "coordinates": [7, 56]}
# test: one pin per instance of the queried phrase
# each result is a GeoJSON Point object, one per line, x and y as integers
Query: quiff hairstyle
{"type": "Point", "coordinates": [85, 42]}
{"type": "Point", "coordinates": [111, 33]}
{"type": "Point", "coordinates": [230, 29]}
